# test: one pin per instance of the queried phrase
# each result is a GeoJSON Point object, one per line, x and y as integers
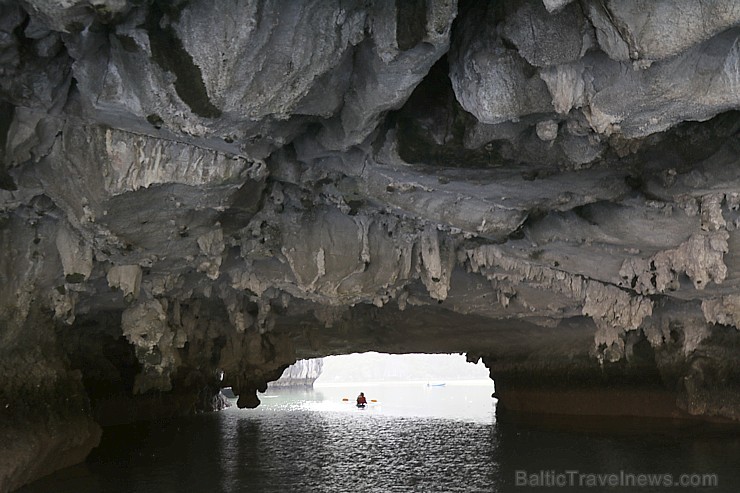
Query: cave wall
{"type": "Point", "coordinates": [189, 188]}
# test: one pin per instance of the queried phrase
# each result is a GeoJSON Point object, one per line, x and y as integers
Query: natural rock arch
{"type": "Point", "coordinates": [551, 186]}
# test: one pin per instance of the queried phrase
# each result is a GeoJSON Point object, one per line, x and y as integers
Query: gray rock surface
{"type": "Point", "coordinates": [654, 30]}
{"type": "Point", "coordinates": [193, 189]}
{"type": "Point", "coordinates": [302, 373]}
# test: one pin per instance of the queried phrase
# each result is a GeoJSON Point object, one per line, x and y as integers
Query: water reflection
{"type": "Point", "coordinates": [333, 453]}
{"type": "Point", "coordinates": [652, 453]}
{"type": "Point", "coordinates": [441, 440]}
{"type": "Point", "coordinates": [458, 401]}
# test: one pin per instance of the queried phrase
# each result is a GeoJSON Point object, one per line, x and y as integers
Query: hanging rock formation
{"type": "Point", "coordinates": [189, 188]}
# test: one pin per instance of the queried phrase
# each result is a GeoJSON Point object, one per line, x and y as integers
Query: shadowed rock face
{"type": "Point", "coordinates": [188, 188]}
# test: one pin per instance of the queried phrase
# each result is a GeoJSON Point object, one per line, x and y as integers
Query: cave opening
{"type": "Point", "coordinates": [195, 194]}
{"type": "Point", "coordinates": [412, 385]}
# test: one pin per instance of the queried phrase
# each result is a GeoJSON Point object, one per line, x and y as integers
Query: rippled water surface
{"type": "Point", "coordinates": [413, 439]}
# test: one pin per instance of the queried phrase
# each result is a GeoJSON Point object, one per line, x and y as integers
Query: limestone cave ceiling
{"type": "Point", "coordinates": [192, 185]}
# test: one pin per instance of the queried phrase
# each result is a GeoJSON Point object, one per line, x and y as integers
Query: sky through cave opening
{"type": "Point", "coordinates": [414, 385]}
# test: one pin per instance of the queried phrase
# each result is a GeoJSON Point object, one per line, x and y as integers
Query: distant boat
{"type": "Point", "coordinates": [436, 384]}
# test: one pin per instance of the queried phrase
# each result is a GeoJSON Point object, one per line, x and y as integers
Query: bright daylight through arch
{"type": "Point", "coordinates": [418, 385]}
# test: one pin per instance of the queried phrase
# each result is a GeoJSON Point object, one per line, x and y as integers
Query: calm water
{"type": "Point", "coordinates": [413, 439]}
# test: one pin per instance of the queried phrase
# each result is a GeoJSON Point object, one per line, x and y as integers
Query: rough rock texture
{"type": "Point", "coordinates": [190, 189]}
{"type": "Point", "coordinates": [302, 373]}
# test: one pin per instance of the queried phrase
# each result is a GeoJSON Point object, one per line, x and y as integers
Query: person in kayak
{"type": "Point", "coordinates": [361, 401]}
